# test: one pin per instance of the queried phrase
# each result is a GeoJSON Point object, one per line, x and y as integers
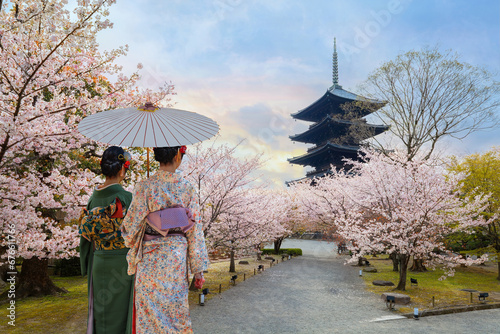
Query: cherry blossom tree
{"type": "Point", "coordinates": [277, 213]}
{"type": "Point", "coordinates": [389, 204]}
{"type": "Point", "coordinates": [218, 175]}
{"type": "Point", "coordinates": [295, 216]}
{"type": "Point", "coordinates": [431, 95]}
{"type": "Point", "coordinates": [51, 76]}
{"type": "Point", "coordinates": [254, 218]}
{"type": "Point", "coordinates": [233, 205]}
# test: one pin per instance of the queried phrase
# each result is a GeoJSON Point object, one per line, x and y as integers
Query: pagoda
{"type": "Point", "coordinates": [338, 127]}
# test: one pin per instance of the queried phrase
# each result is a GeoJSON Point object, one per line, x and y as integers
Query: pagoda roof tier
{"type": "Point", "coordinates": [309, 177]}
{"type": "Point", "coordinates": [327, 154]}
{"type": "Point", "coordinates": [332, 127]}
{"type": "Point", "coordinates": [330, 102]}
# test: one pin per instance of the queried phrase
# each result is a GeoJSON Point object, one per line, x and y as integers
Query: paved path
{"type": "Point", "coordinates": [317, 293]}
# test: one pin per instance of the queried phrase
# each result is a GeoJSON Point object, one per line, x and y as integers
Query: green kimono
{"type": "Point", "coordinates": [110, 287]}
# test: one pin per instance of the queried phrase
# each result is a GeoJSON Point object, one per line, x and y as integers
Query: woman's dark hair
{"type": "Point", "coordinates": [166, 155]}
{"type": "Point", "coordinates": [110, 163]}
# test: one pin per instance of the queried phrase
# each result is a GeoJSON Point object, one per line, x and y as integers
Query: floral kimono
{"type": "Point", "coordinates": [161, 265]}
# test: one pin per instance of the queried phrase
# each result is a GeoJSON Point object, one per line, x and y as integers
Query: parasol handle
{"type": "Point", "coordinates": [147, 161]}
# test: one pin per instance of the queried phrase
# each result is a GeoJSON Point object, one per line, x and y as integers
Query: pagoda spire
{"type": "Point", "coordinates": [335, 76]}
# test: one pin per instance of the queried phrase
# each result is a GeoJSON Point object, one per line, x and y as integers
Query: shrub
{"type": "Point", "coordinates": [68, 267]}
{"type": "Point", "coordinates": [289, 251]}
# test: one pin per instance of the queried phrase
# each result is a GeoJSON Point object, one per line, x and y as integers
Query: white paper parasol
{"type": "Point", "coordinates": [148, 126]}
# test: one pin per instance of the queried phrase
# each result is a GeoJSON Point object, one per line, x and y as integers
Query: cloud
{"type": "Point", "coordinates": [260, 121]}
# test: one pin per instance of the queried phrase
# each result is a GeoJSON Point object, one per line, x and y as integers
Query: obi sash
{"type": "Point", "coordinates": [163, 220]}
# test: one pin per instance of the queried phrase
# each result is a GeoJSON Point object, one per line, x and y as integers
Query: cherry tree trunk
{"type": "Point", "coordinates": [395, 261]}
{"type": "Point", "coordinates": [418, 265]}
{"type": "Point", "coordinates": [403, 267]}
{"type": "Point", "coordinates": [232, 265]}
{"type": "Point", "coordinates": [3, 272]}
{"type": "Point", "coordinates": [277, 244]}
{"type": "Point", "coordinates": [465, 258]}
{"type": "Point", "coordinates": [497, 248]}
{"type": "Point", "coordinates": [34, 279]}
{"type": "Point", "coordinates": [4, 268]}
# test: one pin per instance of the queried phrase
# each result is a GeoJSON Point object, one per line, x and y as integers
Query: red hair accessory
{"type": "Point", "coordinates": [183, 149]}
{"type": "Point", "coordinates": [126, 157]}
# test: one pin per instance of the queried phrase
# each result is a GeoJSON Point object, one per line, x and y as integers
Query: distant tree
{"type": "Point", "coordinates": [483, 177]}
{"type": "Point", "coordinates": [224, 183]}
{"type": "Point", "coordinates": [218, 175]}
{"type": "Point", "coordinates": [254, 218]}
{"type": "Point", "coordinates": [432, 95]}
{"type": "Point", "coordinates": [285, 206]}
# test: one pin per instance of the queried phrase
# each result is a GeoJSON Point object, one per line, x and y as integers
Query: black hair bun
{"type": "Point", "coordinates": [110, 164]}
{"type": "Point", "coordinates": [166, 155]}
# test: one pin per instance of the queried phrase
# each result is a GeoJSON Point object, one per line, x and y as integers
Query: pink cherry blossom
{"type": "Point", "coordinates": [388, 204]}
{"type": "Point", "coordinates": [238, 214]}
{"type": "Point", "coordinates": [52, 74]}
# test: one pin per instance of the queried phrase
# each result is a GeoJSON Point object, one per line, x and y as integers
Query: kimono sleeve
{"type": "Point", "coordinates": [86, 248]}
{"type": "Point", "coordinates": [137, 211]}
{"type": "Point", "coordinates": [197, 251]}
{"type": "Point", "coordinates": [86, 254]}
{"type": "Point", "coordinates": [133, 227]}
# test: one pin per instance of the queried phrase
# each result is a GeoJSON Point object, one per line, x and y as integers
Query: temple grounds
{"type": "Point", "coordinates": [317, 293]}
{"type": "Point", "coordinates": [313, 293]}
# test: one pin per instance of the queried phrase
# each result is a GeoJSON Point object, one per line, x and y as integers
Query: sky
{"type": "Point", "coordinates": [250, 64]}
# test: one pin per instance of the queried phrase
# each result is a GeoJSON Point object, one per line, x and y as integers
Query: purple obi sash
{"type": "Point", "coordinates": [163, 220]}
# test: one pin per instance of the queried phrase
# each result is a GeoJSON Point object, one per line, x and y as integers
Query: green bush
{"type": "Point", "coordinates": [68, 267]}
{"type": "Point", "coordinates": [289, 251]}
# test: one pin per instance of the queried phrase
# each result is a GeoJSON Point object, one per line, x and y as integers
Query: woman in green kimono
{"type": "Point", "coordinates": [103, 252]}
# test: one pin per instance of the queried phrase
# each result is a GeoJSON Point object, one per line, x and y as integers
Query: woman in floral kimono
{"type": "Point", "coordinates": [160, 254]}
{"type": "Point", "coordinates": [102, 249]}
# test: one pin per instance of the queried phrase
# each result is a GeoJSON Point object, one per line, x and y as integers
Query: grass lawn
{"type": "Point", "coordinates": [446, 293]}
{"type": "Point", "coordinates": [67, 313]}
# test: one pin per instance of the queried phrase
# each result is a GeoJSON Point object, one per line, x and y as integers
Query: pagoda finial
{"type": "Point", "coordinates": [335, 64]}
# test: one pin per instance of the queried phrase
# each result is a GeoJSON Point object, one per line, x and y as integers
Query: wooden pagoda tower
{"type": "Point", "coordinates": [332, 129]}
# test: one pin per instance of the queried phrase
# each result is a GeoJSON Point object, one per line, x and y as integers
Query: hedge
{"type": "Point", "coordinates": [68, 267]}
{"type": "Point", "coordinates": [289, 251]}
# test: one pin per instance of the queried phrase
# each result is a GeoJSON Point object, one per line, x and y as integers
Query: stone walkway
{"type": "Point", "coordinates": [317, 293]}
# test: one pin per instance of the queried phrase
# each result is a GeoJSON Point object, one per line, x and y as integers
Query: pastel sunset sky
{"type": "Point", "coordinates": [250, 64]}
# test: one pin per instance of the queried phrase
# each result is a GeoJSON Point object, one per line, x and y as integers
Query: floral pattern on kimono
{"type": "Point", "coordinates": [163, 190]}
{"type": "Point", "coordinates": [161, 265]}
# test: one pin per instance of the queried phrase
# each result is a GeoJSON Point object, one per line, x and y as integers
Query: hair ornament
{"type": "Point", "coordinates": [183, 149]}
{"type": "Point", "coordinates": [125, 157]}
